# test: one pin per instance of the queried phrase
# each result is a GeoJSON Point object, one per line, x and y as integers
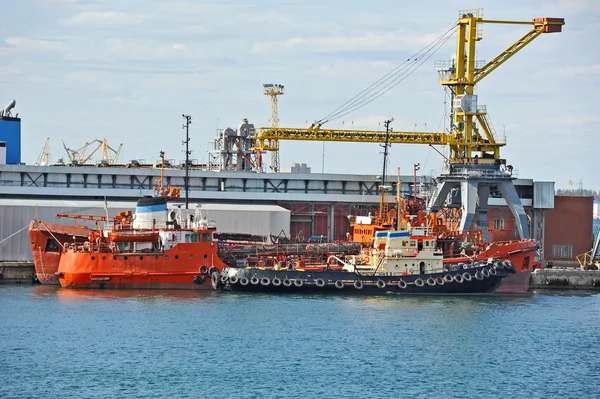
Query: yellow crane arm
{"type": "Point", "coordinates": [540, 25]}
{"type": "Point", "coordinates": [266, 135]}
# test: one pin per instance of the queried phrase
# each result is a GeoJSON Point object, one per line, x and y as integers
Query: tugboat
{"type": "Point", "coordinates": [398, 262]}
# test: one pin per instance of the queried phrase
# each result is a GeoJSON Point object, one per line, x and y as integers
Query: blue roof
{"type": "Point", "coordinates": [398, 234]}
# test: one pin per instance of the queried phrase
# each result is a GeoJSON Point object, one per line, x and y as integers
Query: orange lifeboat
{"type": "Point", "coordinates": [132, 237]}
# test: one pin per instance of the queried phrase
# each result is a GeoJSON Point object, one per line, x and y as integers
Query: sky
{"type": "Point", "coordinates": [126, 71]}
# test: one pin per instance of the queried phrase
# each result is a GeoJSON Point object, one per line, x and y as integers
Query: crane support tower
{"type": "Point", "coordinates": [474, 165]}
{"type": "Point", "coordinates": [273, 91]}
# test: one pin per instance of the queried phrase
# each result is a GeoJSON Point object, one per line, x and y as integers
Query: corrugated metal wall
{"type": "Point", "coordinates": [16, 214]}
{"type": "Point", "coordinates": [543, 195]}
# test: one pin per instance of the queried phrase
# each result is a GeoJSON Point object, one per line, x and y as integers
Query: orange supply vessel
{"type": "Point", "coordinates": [153, 249]}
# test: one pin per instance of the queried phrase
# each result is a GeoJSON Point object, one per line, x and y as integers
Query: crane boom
{"type": "Point", "coordinates": [266, 135]}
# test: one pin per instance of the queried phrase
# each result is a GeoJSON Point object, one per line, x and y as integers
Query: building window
{"type": "Point", "coordinates": [562, 252]}
{"type": "Point", "coordinates": [499, 224]}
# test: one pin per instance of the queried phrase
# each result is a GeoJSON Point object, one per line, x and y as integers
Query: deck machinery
{"type": "Point", "coordinates": [474, 166]}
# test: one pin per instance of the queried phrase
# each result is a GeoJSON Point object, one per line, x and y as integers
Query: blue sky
{"type": "Point", "coordinates": [126, 71]}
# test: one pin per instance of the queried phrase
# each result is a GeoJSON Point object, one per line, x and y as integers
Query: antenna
{"type": "Point", "coordinates": [385, 148]}
{"type": "Point", "coordinates": [273, 91]}
{"type": "Point", "coordinates": [186, 126]}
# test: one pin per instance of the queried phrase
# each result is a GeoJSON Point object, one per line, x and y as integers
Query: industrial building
{"type": "Point", "coordinates": [17, 213]}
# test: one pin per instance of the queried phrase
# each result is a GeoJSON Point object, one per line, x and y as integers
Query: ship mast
{"type": "Point", "coordinates": [186, 126]}
{"type": "Point", "coordinates": [385, 146]}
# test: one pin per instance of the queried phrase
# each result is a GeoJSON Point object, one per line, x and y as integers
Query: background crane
{"type": "Point", "coordinates": [274, 91]}
{"type": "Point", "coordinates": [44, 157]}
{"type": "Point", "coordinates": [108, 154]}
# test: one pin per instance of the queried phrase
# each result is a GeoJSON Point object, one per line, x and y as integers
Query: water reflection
{"type": "Point", "coordinates": [67, 295]}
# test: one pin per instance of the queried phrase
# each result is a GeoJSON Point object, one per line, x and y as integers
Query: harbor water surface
{"type": "Point", "coordinates": [58, 343]}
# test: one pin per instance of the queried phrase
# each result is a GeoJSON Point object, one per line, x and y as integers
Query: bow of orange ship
{"type": "Point", "coordinates": [153, 249]}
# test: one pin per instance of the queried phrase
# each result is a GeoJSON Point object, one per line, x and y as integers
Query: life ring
{"type": "Point", "coordinates": [287, 283]}
{"type": "Point", "coordinates": [448, 278]}
{"type": "Point", "coordinates": [467, 277]}
{"type": "Point", "coordinates": [402, 284]}
{"type": "Point", "coordinates": [366, 259]}
{"type": "Point", "coordinates": [298, 282]}
{"type": "Point", "coordinates": [478, 275]}
{"type": "Point", "coordinates": [419, 282]}
{"type": "Point", "coordinates": [458, 278]}
{"type": "Point", "coordinates": [358, 285]}
{"type": "Point", "coordinates": [214, 279]}
{"type": "Point", "coordinates": [485, 273]}
{"type": "Point", "coordinates": [380, 284]}
{"type": "Point", "coordinates": [276, 282]}
{"type": "Point", "coordinates": [320, 283]}
{"type": "Point", "coordinates": [339, 284]}
{"type": "Point", "coordinates": [415, 252]}
{"type": "Point", "coordinates": [254, 280]}
{"type": "Point", "coordinates": [265, 281]}
{"type": "Point", "coordinates": [203, 269]}
{"type": "Point", "coordinates": [431, 282]}
{"type": "Point", "coordinates": [440, 281]}
{"type": "Point", "coordinates": [244, 281]}
{"type": "Point", "coordinates": [233, 279]}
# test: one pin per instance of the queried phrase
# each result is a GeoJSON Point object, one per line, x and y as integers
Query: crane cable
{"type": "Point", "coordinates": [392, 78]}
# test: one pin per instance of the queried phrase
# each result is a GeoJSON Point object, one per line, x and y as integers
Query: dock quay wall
{"type": "Point", "coordinates": [565, 278]}
{"type": "Point", "coordinates": [17, 272]}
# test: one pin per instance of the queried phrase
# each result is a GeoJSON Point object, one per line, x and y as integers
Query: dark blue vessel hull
{"type": "Point", "coordinates": [476, 280]}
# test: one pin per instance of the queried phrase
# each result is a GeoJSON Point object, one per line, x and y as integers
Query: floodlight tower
{"type": "Point", "coordinates": [274, 90]}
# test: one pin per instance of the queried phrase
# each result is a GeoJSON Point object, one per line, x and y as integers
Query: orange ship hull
{"type": "Point", "coordinates": [176, 268]}
{"type": "Point", "coordinates": [520, 253]}
{"type": "Point", "coordinates": [46, 246]}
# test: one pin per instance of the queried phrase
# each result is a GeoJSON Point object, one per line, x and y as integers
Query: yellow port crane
{"type": "Point", "coordinates": [468, 142]}
{"type": "Point", "coordinates": [44, 157]}
{"type": "Point", "coordinates": [109, 155]}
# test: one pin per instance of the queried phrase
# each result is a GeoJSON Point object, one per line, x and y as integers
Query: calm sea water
{"type": "Point", "coordinates": [58, 343]}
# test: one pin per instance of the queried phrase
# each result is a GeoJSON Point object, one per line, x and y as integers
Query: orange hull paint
{"type": "Point", "coordinates": [46, 261]}
{"type": "Point", "coordinates": [175, 268]}
{"type": "Point", "coordinates": [520, 253]}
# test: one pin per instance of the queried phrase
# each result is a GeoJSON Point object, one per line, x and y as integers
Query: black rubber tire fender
{"type": "Point", "coordinates": [215, 280]}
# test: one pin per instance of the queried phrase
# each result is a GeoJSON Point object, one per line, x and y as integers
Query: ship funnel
{"type": "Point", "coordinates": [6, 111]}
{"type": "Point", "coordinates": [150, 213]}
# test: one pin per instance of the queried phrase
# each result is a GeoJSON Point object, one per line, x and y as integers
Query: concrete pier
{"type": "Point", "coordinates": [565, 278]}
{"type": "Point", "coordinates": [17, 273]}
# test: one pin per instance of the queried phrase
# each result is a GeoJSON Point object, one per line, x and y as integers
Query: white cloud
{"type": "Point", "coordinates": [104, 18]}
{"type": "Point", "coordinates": [346, 68]}
{"type": "Point", "coordinates": [23, 43]}
{"type": "Point", "coordinates": [128, 49]}
{"type": "Point", "coordinates": [179, 46]}
{"type": "Point", "coordinates": [364, 41]}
